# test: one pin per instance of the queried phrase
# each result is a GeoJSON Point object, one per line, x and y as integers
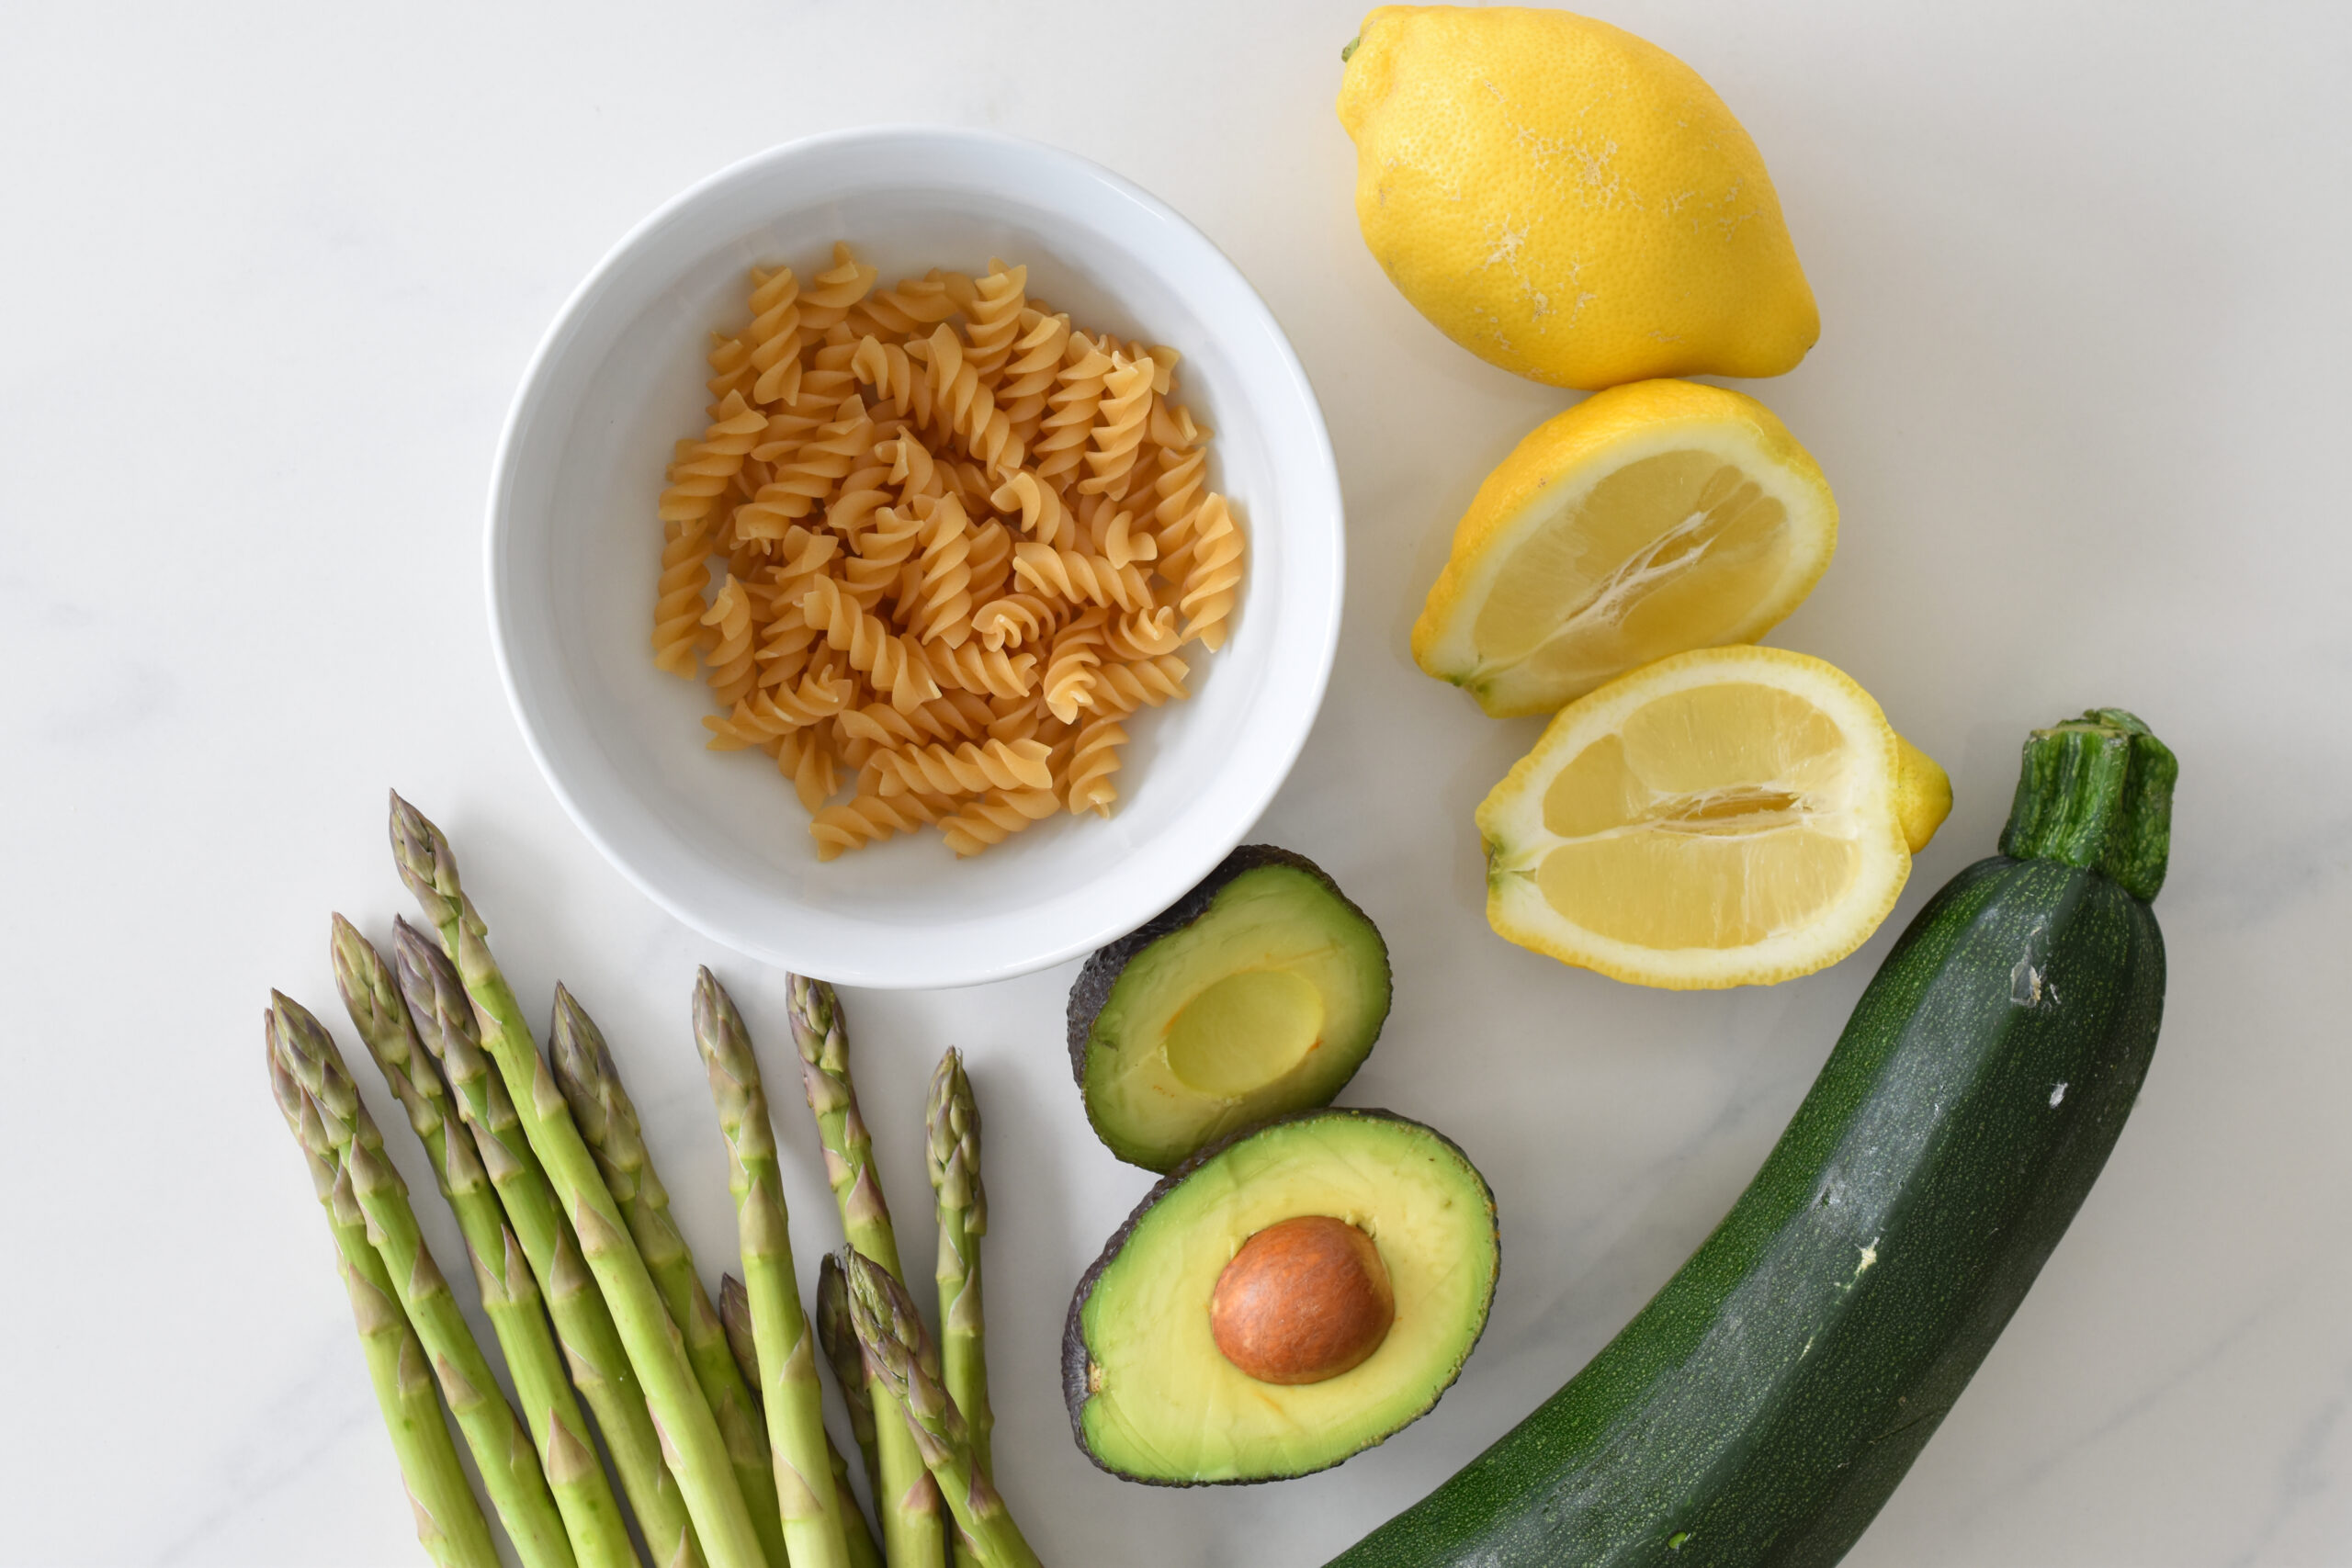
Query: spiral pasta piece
{"type": "Point", "coordinates": [806, 555]}
{"type": "Point", "coordinates": [1121, 543]}
{"type": "Point", "coordinates": [1013, 620]}
{"type": "Point", "coordinates": [968, 769]}
{"type": "Point", "coordinates": [1143, 634]}
{"type": "Point", "coordinates": [1073, 574]}
{"type": "Point", "coordinates": [788, 427]}
{"type": "Point", "coordinates": [702, 478]}
{"type": "Point", "coordinates": [913, 468]}
{"type": "Point", "coordinates": [909, 307]}
{"type": "Point", "coordinates": [1040, 506]}
{"type": "Point", "coordinates": [1070, 669]}
{"type": "Point", "coordinates": [1214, 579]}
{"type": "Point", "coordinates": [881, 553]}
{"type": "Point", "coordinates": [786, 648]}
{"type": "Point", "coordinates": [1072, 405]}
{"type": "Point", "coordinates": [1177, 489]}
{"type": "Point", "coordinates": [858, 497]}
{"type": "Point", "coordinates": [1144, 682]}
{"type": "Point", "coordinates": [990, 562]}
{"type": "Point", "coordinates": [758, 718]}
{"type": "Point", "coordinates": [774, 337]}
{"type": "Point", "coordinates": [830, 293]}
{"type": "Point", "coordinates": [992, 321]}
{"type": "Point", "coordinates": [963, 403]}
{"type": "Point", "coordinates": [1119, 425]}
{"type": "Point", "coordinates": [902, 381]}
{"type": "Point", "coordinates": [1032, 372]}
{"type": "Point", "coordinates": [678, 602]}
{"type": "Point", "coordinates": [996, 817]}
{"type": "Point", "coordinates": [730, 359]}
{"type": "Point", "coordinates": [806, 757]}
{"type": "Point", "coordinates": [980, 671]}
{"type": "Point", "coordinates": [943, 609]}
{"type": "Point", "coordinates": [1094, 757]}
{"type": "Point", "coordinates": [869, 819]}
{"type": "Point", "coordinates": [1171, 427]}
{"type": "Point", "coordinates": [733, 671]}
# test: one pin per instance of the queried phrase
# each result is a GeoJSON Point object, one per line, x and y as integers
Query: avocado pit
{"type": "Point", "coordinates": [1303, 1300]}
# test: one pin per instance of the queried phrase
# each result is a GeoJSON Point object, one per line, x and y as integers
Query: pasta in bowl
{"type": "Point", "coordinates": [938, 519]}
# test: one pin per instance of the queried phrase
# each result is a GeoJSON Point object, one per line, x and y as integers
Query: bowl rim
{"type": "Point", "coordinates": [1317, 450]}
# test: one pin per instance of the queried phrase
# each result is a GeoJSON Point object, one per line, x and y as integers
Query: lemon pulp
{"type": "Point", "coordinates": [1645, 521]}
{"type": "Point", "coordinates": [1715, 817]}
{"type": "Point", "coordinates": [1668, 552]}
{"type": "Point", "coordinates": [1730, 815]}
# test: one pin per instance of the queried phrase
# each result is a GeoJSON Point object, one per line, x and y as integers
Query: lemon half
{"type": "Point", "coordinates": [1728, 816]}
{"type": "Point", "coordinates": [1645, 521]}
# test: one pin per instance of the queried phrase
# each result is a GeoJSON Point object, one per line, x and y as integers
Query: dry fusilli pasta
{"type": "Point", "coordinates": [956, 545]}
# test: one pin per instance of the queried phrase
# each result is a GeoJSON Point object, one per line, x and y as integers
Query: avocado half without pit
{"type": "Point", "coordinates": [1259, 992]}
{"type": "Point", "coordinates": [1285, 1299]}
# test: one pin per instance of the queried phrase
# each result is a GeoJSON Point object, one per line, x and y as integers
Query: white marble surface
{"type": "Point", "coordinates": [271, 274]}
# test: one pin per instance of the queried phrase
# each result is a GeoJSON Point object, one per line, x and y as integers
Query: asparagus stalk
{"type": "Point", "coordinates": [914, 1534]}
{"type": "Point", "coordinates": [444, 1019]}
{"type": "Point", "coordinates": [788, 1388]}
{"type": "Point", "coordinates": [735, 1312]}
{"type": "Point", "coordinates": [601, 1108]}
{"type": "Point", "coordinates": [690, 1434]}
{"type": "Point", "coordinates": [954, 1160]}
{"type": "Point", "coordinates": [450, 1523]}
{"type": "Point", "coordinates": [509, 1295]}
{"type": "Point", "coordinates": [890, 1331]}
{"type": "Point", "coordinates": [839, 1341]}
{"type": "Point", "coordinates": [337, 1127]}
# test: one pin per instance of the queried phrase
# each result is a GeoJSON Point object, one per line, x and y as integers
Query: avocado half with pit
{"type": "Point", "coordinates": [1259, 992]}
{"type": "Point", "coordinates": [1287, 1298]}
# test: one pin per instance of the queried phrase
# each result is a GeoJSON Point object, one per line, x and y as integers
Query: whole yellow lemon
{"type": "Point", "coordinates": [1568, 201]}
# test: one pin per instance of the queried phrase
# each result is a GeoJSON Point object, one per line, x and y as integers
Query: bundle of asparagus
{"type": "Point", "coordinates": [713, 1415]}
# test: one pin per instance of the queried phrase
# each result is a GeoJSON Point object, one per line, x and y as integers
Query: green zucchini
{"type": "Point", "coordinates": [1763, 1406]}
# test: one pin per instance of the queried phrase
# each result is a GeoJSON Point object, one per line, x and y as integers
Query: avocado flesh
{"type": "Point", "coordinates": [1260, 993]}
{"type": "Point", "coordinates": [1152, 1397]}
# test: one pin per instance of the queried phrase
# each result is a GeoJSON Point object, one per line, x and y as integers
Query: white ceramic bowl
{"type": "Point", "coordinates": [716, 837]}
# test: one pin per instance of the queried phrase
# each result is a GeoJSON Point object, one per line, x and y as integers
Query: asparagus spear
{"type": "Point", "coordinates": [591, 1518]}
{"type": "Point", "coordinates": [337, 1127]}
{"type": "Point", "coordinates": [914, 1535]}
{"type": "Point", "coordinates": [601, 1108]}
{"type": "Point", "coordinates": [735, 1312]}
{"type": "Point", "coordinates": [891, 1332]}
{"type": "Point", "coordinates": [788, 1387]}
{"type": "Point", "coordinates": [608, 1118]}
{"type": "Point", "coordinates": [735, 1316]}
{"type": "Point", "coordinates": [839, 1341]}
{"type": "Point", "coordinates": [690, 1434]}
{"type": "Point", "coordinates": [592, 1344]}
{"type": "Point", "coordinates": [450, 1523]}
{"type": "Point", "coordinates": [953, 1161]}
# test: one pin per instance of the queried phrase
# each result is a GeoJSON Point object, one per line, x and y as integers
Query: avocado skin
{"type": "Point", "coordinates": [1074, 1357]}
{"type": "Point", "coordinates": [1091, 991]}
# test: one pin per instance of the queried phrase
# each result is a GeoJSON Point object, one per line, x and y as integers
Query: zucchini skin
{"type": "Point", "coordinates": [1762, 1408]}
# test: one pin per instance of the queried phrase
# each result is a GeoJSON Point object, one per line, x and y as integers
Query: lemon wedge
{"type": "Point", "coordinates": [1728, 817]}
{"type": "Point", "coordinates": [1646, 520]}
